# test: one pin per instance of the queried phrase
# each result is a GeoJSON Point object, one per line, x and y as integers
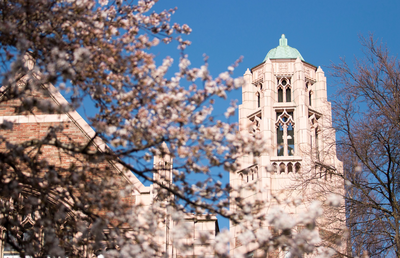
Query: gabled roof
{"type": "Point", "coordinates": [78, 121]}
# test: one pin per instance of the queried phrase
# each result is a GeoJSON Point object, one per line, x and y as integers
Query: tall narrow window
{"type": "Point", "coordinates": [285, 134]}
{"type": "Point", "coordinates": [288, 94]}
{"type": "Point", "coordinates": [297, 167]}
{"type": "Point", "coordinates": [280, 95]}
{"type": "Point", "coordinates": [314, 136]}
{"type": "Point", "coordinates": [279, 134]}
{"type": "Point", "coordinates": [275, 167]}
{"type": "Point", "coordinates": [309, 98]}
{"type": "Point", "coordinates": [290, 140]}
{"type": "Point", "coordinates": [282, 168]}
{"type": "Point", "coordinates": [258, 100]}
{"type": "Point", "coordinates": [290, 167]}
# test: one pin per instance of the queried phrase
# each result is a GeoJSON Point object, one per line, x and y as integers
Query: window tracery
{"type": "Point", "coordinates": [284, 89]}
{"type": "Point", "coordinates": [285, 133]}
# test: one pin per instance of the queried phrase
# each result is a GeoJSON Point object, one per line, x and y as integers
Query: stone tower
{"type": "Point", "coordinates": [285, 100]}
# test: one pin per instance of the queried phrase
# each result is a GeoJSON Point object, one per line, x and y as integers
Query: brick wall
{"type": "Point", "coordinates": [63, 161]}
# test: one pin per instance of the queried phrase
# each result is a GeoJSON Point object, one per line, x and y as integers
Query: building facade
{"type": "Point", "coordinates": [284, 99]}
{"type": "Point", "coordinates": [36, 125]}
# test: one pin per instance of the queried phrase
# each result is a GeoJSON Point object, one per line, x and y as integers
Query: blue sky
{"type": "Point", "coordinates": [323, 31]}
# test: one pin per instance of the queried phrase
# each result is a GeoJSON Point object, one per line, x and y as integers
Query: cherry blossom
{"type": "Point", "coordinates": [101, 52]}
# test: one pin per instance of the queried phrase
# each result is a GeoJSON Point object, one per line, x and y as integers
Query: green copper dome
{"type": "Point", "coordinates": [283, 51]}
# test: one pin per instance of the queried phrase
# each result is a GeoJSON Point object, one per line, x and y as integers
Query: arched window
{"type": "Point", "coordinates": [280, 95]}
{"type": "Point", "coordinates": [275, 167]}
{"type": "Point", "coordinates": [258, 100]}
{"type": "Point", "coordinates": [282, 168]}
{"type": "Point", "coordinates": [285, 133]}
{"type": "Point", "coordinates": [297, 167]}
{"type": "Point", "coordinates": [315, 131]}
{"type": "Point", "coordinates": [309, 98]}
{"type": "Point", "coordinates": [290, 139]}
{"type": "Point", "coordinates": [290, 167]}
{"type": "Point", "coordinates": [284, 90]}
{"type": "Point", "coordinates": [288, 94]}
{"type": "Point", "coordinates": [280, 141]}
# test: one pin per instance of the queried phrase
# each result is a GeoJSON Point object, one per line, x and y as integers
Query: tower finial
{"type": "Point", "coordinates": [283, 40]}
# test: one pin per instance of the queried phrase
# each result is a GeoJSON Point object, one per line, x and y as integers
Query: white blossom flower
{"type": "Point", "coordinates": [230, 112]}
{"type": "Point", "coordinates": [224, 76]}
{"type": "Point", "coordinates": [103, 2]}
{"type": "Point", "coordinates": [238, 82]}
{"type": "Point", "coordinates": [246, 237]}
{"type": "Point", "coordinates": [334, 200]}
{"type": "Point", "coordinates": [81, 54]}
{"type": "Point", "coordinates": [184, 63]}
{"type": "Point", "coordinates": [221, 244]}
{"type": "Point", "coordinates": [203, 72]}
